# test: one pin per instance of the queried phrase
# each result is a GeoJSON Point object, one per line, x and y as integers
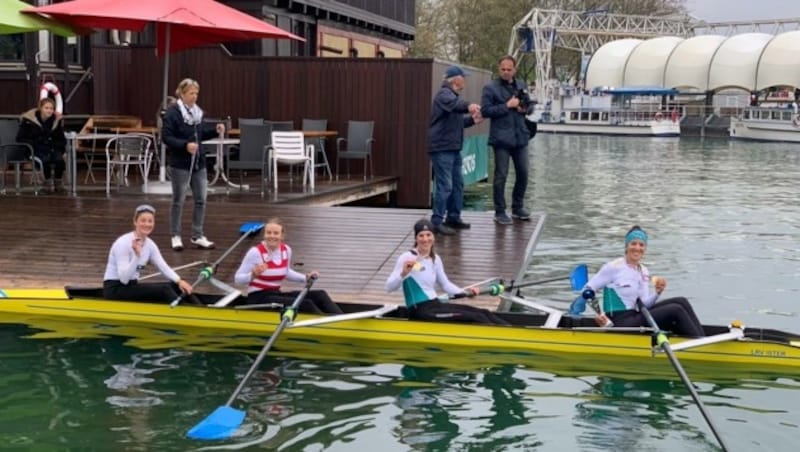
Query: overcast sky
{"type": "Point", "coordinates": [736, 10]}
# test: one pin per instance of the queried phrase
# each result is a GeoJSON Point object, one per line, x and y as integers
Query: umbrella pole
{"type": "Point", "coordinates": [162, 170]}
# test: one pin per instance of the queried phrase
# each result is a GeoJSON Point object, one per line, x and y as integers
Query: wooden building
{"type": "Point", "coordinates": [351, 67]}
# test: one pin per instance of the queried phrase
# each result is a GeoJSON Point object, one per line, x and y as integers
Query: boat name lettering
{"type": "Point", "coordinates": [468, 164]}
{"type": "Point", "coordinates": [766, 352]}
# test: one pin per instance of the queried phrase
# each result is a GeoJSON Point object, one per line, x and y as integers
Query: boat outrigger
{"type": "Point", "coordinates": [550, 331]}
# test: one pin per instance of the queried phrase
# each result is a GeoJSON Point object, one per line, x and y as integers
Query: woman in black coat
{"type": "Point", "coordinates": [44, 131]}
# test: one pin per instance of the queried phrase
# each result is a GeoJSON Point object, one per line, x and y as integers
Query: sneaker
{"type": "Point", "coordinates": [521, 214]}
{"type": "Point", "coordinates": [442, 229]}
{"type": "Point", "coordinates": [503, 218]}
{"type": "Point", "coordinates": [203, 242]}
{"type": "Point", "coordinates": [457, 224]}
{"type": "Point", "coordinates": [177, 243]}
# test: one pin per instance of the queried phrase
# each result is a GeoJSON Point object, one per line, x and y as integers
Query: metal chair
{"type": "Point", "coordinates": [289, 148]}
{"type": "Point", "coordinates": [281, 126]}
{"type": "Point", "coordinates": [321, 157]}
{"type": "Point", "coordinates": [357, 145]}
{"type": "Point", "coordinates": [253, 142]}
{"type": "Point", "coordinates": [128, 150]}
{"type": "Point", "coordinates": [250, 121]}
{"type": "Point", "coordinates": [19, 155]}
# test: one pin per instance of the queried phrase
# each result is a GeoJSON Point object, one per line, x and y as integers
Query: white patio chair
{"type": "Point", "coordinates": [289, 148]}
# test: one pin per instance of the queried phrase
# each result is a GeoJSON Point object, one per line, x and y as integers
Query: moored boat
{"type": "Point", "coordinates": [767, 124]}
{"type": "Point", "coordinates": [621, 111]}
{"type": "Point", "coordinates": [370, 324]}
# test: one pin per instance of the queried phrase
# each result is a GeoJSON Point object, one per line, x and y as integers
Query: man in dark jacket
{"type": "Point", "coordinates": [505, 101]}
{"type": "Point", "coordinates": [449, 116]}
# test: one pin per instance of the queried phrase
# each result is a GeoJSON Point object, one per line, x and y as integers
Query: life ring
{"type": "Point", "coordinates": [45, 91]}
{"type": "Point", "coordinates": [796, 120]}
{"type": "Point", "coordinates": [658, 117]}
{"type": "Point", "coordinates": [122, 38]}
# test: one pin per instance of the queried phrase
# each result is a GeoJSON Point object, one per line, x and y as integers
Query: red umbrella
{"type": "Point", "coordinates": [180, 24]}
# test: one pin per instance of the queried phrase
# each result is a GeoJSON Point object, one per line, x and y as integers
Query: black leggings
{"type": "Point", "coordinates": [673, 314]}
{"type": "Point", "coordinates": [454, 312]}
{"type": "Point", "coordinates": [315, 302]}
{"type": "Point", "coordinates": [113, 289]}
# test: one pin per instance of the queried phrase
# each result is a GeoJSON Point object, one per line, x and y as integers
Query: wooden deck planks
{"type": "Point", "coordinates": [48, 241]}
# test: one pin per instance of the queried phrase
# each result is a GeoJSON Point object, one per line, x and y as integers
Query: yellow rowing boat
{"type": "Point", "coordinates": [386, 327]}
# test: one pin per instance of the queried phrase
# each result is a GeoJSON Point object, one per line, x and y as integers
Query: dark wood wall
{"type": "Point", "coordinates": [395, 93]}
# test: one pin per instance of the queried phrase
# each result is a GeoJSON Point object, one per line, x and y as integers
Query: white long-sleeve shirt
{"type": "Point", "coordinates": [622, 285]}
{"type": "Point", "coordinates": [420, 284]}
{"type": "Point", "coordinates": [124, 265]}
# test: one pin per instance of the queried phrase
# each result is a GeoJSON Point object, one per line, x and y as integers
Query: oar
{"type": "Point", "coordinates": [663, 342]}
{"type": "Point", "coordinates": [226, 419]}
{"type": "Point", "coordinates": [577, 277]}
{"type": "Point", "coordinates": [247, 229]}
{"type": "Point", "coordinates": [190, 264]}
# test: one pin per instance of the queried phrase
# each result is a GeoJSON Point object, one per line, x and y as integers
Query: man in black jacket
{"type": "Point", "coordinates": [505, 100]}
{"type": "Point", "coordinates": [449, 116]}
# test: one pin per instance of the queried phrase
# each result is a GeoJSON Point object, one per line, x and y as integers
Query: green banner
{"type": "Point", "coordinates": [475, 159]}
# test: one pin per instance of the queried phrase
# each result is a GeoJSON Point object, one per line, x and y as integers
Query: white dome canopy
{"type": "Point", "coordinates": [736, 61]}
{"type": "Point", "coordinates": [607, 66]}
{"type": "Point", "coordinates": [690, 61]}
{"type": "Point", "coordinates": [750, 61]}
{"type": "Point", "coordinates": [780, 62]}
{"type": "Point", "coordinates": [646, 63]}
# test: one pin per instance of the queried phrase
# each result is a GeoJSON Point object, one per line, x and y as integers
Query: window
{"type": "Point", "coordinates": [12, 47]}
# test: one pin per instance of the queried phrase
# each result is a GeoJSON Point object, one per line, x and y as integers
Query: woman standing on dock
{"type": "Point", "coordinates": [419, 270]}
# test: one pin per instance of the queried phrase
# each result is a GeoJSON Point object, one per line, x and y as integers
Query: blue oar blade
{"type": "Point", "coordinates": [577, 307]}
{"type": "Point", "coordinates": [218, 425]}
{"type": "Point", "coordinates": [251, 227]}
{"type": "Point", "coordinates": [579, 277]}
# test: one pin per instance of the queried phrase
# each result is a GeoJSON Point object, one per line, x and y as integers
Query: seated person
{"type": "Point", "coordinates": [626, 279]}
{"type": "Point", "coordinates": [419, 270]}
{"type": "Point", "coordinates": [267, 264]}
{"type": "Point", "coordinates": [44, 131]}
{"type": "Point", "coordinates": [130, 253]}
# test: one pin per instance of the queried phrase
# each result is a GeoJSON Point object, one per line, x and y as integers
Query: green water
{"type": "Point", "coordinates": [724, 225]}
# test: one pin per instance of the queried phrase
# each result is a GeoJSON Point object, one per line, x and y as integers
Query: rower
{"type": "Point", "coordinates": [419, 270]}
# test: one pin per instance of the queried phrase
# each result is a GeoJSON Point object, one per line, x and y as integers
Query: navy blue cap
{"type": "Point", "coordinates": [455, 71]}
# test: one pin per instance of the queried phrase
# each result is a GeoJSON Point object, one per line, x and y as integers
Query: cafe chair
{"type": "Point", "coordinates": [281, 126]}
{"type": "Point", "coordinates": [19, 155]}
{"type": "Point", "coordinates": [125, 151]}
{"type": "Point", "coordinates": [321, 157]}
{"type": "Point", "coordinates": [254, 139]}
{"type": "Point", "coordinates": [250, 121]}
{"type": "Point", "coordinates": [289, 148]}
{"type": "Point", "coordinates": [357, 145]}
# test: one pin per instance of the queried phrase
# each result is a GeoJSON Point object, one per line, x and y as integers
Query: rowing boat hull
{"type": "Point", "coordinates": [757, 350]}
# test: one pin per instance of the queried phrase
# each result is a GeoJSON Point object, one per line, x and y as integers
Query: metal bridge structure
{"type": "Point", "coordinates": [771, 26]}
{"type": "Point", "coordinates": [541, 30]}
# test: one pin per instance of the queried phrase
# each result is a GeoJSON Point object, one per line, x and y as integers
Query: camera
{"type": "Point", "coordinates": [526, 104]}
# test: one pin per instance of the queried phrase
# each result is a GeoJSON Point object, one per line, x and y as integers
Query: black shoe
{"type": "Point", "coordinates": [443, 229]}
{"type": "Point", "coordinates": [521, 214]}
{"type": "Point", "coordinates": [457, 224]}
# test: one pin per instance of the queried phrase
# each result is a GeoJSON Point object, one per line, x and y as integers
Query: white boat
{"type": "Point", "coordinates": [767, 124]}
{"type": "Point", "coordinates": [611, 111]}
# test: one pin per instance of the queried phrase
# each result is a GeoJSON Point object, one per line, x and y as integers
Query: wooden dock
{"type": "Point", "coordinates": [51, 241]}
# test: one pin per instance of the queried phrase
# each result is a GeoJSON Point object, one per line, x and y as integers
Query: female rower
{"type": "Point", "coordinates": [626, 279]}
{"type": "Point", "coordinates": [419, 270]}
{"type": "Point", "coordinates": [129, 254]}
{"type": "Point", "coordinates": [267, 264]}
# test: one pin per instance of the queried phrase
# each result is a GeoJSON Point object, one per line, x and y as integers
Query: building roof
{"type": "Point", "coordinates": [750, 61]}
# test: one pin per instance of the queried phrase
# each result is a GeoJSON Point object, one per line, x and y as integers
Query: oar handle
{"type": "Point", "coordinates": [206, 273]}
{"type": "Point", "coordinates": [287, 316]}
